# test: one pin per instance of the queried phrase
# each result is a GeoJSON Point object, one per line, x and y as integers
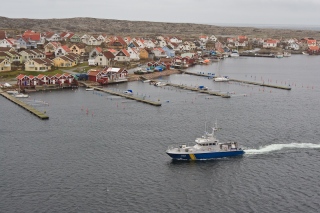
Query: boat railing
{"type": "Point", "coordinates": [181, 146]}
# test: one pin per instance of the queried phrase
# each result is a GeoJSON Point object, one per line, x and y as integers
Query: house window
{"type": "Point", "coordinates": [36, 68]}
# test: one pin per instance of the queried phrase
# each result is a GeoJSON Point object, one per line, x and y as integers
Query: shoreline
{"type": "Point", "coordinates": [135, 77]}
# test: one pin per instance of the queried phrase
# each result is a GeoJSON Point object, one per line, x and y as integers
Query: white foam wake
{"type": "Point", "coordinates": [276, 147]}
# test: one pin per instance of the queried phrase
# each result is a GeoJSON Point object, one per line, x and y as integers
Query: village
{"type": "Point", "coordinates": [55, 60]}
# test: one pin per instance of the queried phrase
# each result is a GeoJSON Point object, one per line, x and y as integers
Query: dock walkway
{"type": "Point", "coordinates": [261, 84]}
{"type": "Point", "coordinates": [154, 103]}
{"type": "Point", "coordinates": [181, 86]}
{"type": "Point", "coordinates": [27, 107]}
{"type": "Point", "coordinates": [243, 81]}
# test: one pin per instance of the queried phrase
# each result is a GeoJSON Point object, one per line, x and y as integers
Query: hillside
{"type": "Point", "coordinates": [143, 28]}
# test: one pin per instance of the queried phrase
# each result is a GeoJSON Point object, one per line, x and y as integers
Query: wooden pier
{"type": "Point", "coordinates": [181, 86]}
{"type": "Point", "coordinates": [27, 107]}
{"type": "Point", "coordinates": [261, 84]}
{"type": "Point", "coordinates": [243, 81]}
{"type": "Point", "coordinates": [122, 95]}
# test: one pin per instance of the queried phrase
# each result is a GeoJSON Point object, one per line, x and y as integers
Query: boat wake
{"type": "Point", "coordinates": [277, 147]}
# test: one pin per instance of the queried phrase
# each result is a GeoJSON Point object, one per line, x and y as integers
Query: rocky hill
{"type": "Point", "coordinates": [143, 28]}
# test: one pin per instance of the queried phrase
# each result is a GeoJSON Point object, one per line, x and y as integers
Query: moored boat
{"type": "Point", "coordinates": [207, 147]}
{"type": "Point", "coordinates": [89, 89]}
{"type": "Point", "coordinates": [128, 92]}
{"type": "Point", "coordinates": [21, 95]}
{"type": "Point", "coordinates": [13, 92]}
{"type": "Point", "coordinates": [221, 79]}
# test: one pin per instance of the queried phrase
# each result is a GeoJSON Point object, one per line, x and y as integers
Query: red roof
{"type": "Point", "coordinates": [314, 48]}
{"type": "Point", "coordinates": [20, 77]}
{"type": "Point", "coordinates": [93, 73]}
{"type": "Point", "coordinates": [31, 35]}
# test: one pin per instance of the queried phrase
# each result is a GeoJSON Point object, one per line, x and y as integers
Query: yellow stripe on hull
{"type": "Point", "coordinates": [192, 157]}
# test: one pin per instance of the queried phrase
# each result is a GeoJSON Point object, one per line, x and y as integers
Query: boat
{"type": "Point", "coordinates": [305, 53]}
{"type": "Point", "coordinates": [21, 95]}
{"type": "Point", "coordinates": [234, 53]}
{"type": "Point", "coordinates": [286, 54]}
{"type": "Point", "coordinates": [221, 79]}
{"type": "Point", "coordinates": [146, 81]}
{"type": "Point", "coordinates": [160, 84]}
{"type": "Point", "coordinates": [279, 55]}
{"type": "Point", "coordinates": [206, 147]}
{"type": "Point", "coordinates": [202, 88]}
{"type": "Point", "coordinates": [128, 92]}
{"type": "Point", "coordinates": [13, 92]}
{"type": "Point", "coordinates": [89, 89]}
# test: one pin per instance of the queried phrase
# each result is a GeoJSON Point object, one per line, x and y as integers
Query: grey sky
{"type": "Point", "coordinates": [280, 12]}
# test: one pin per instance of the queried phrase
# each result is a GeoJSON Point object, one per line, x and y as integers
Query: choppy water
{"type": "Point", "coordinates": [101, 153]}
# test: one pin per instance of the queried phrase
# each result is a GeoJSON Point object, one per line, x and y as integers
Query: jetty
{"type": "Point", "coordinates": [143, 100]}
{"type": "Point", "coordinates": [261, 84]}
{"type": "Point", "coordinates": [243, 81]}
{"type": "Point", "coordinates": [181, 86]}
{"type": "Point", "coordinates": [27, 107]}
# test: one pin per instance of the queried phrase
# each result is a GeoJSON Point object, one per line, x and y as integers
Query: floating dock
{"type": "Point", "coordinates": [243, 81]}
{"type": "Point", "coordinates": [181, 86]}
{"type": "Point", "coordinates": [27, 107]}
{"type": "Point", "coordinates": [122, 95]}
{"type": "Point", "coordinates": [261, 84]}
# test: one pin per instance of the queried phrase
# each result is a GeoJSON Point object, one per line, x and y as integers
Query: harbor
{"type": "Point", "coordinates": [24, 105]}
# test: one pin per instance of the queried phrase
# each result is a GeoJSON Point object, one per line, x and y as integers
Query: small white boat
{"type": "Point", "coordinates": [234, 53]}
{"type": "Point", "coordinates": [89, 89]}
{"type": "Point", "coordinates": [279, 55]}
{"type": "Point", "coordinates": [221, 79]}
{"type": "Point", "coordinates": [14, 92]}
{"type": "Point", "coordinates": [305, 53]}
{"type": "Point", "coordinates": [21, 95]}
{"type": "Point", "coordinates": [202, 88]}
{"type": "Point", "coordinates": [128, 92]}
{"type": "Point", "coordinates": [286, 54]}
{"type": "Point", "coordinates": [146, 81]}
{"type": "Point", "coordinates": [160, 84]}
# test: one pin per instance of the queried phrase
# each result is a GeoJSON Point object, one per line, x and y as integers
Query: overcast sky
{"type": "Point", "coordinates": [237, 12]}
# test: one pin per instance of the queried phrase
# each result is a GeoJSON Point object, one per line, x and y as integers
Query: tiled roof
{"type": "Point", "coordinates": [108, 54]}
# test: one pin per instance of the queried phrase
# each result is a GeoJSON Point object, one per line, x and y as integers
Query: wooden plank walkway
{"type": "Point", "coordinates": [261, 84]}
{"type": "Point", "coordinates": [153, 103]}
{"type": "Point", "coordinates": [181, 86]}
{"type": "Point", "coordinates": [243, 81]}
{"type": "Point", "coordinates": [27, 107]}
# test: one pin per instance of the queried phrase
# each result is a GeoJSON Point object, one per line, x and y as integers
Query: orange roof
{"type": "Point", "coordinates": [314, 48]}
{"type": "Point", "coordinates": [20, 77]}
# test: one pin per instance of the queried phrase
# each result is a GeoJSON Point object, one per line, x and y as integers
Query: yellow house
{"type": "Point", "coordinates": [78, 48]}
{"type": "Point", "coordinates": [38, 65]}
{"type": "Point", "coordinates": [143, 54]}
{"type": "Point", "coordinates": [5, 65]}
{"type": "Point", "coordinates": [64, 61]}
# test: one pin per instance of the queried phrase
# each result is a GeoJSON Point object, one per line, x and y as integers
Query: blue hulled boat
{"type": "Point", "coordinates": [205, 148]}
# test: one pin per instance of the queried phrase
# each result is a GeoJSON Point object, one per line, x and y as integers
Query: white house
{"type": "Point", "coordinates": [5, 43]}
{"type": "Point", "coordinates": [270, 43]}
{"type": "Point", "coordinates": [213, 38]}
{"type": "Point", "coordinates": [159, 52]}
{"type": "Point", "coordinates": [134, 54]}
{"type": "Point", "coordinates": [204, 38]}
{"type": "Point", "coordinates": [50, 36]}
{"type": "Point", "coordinates": [104, 59]}
{"type": "Point", "coordinates": [175, 40]}
{"type": "Point", "coordinates": [62, 51]}
{"type": "Point", "coordinates": [122, 56]}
